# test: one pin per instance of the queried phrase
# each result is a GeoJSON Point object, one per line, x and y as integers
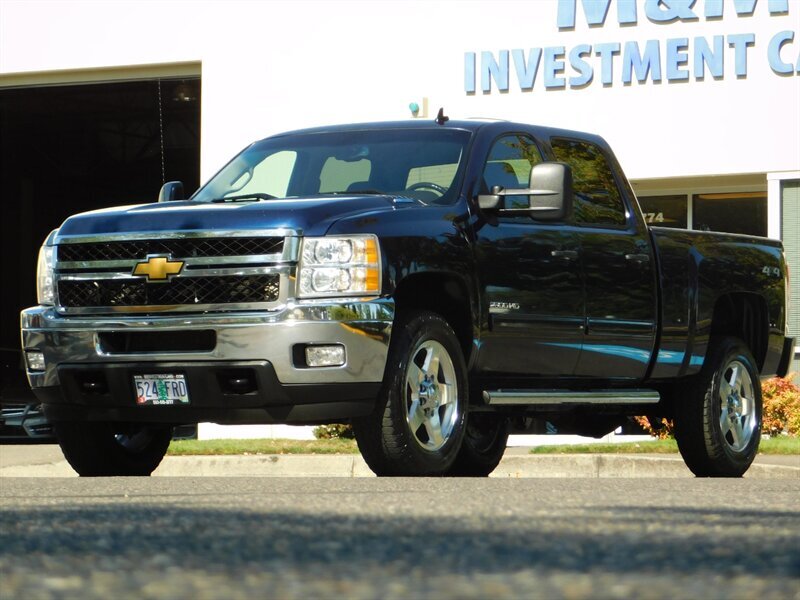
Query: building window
{"type": "Point", "coordinates": [736, 212]}
{"type": "Point", "coordinates": [790, 235]}
{"type": "Point", "coordinates": [665, 211]}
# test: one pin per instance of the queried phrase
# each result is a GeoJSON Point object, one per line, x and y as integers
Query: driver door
{"type": "Point", "coordinates": [530, 277]}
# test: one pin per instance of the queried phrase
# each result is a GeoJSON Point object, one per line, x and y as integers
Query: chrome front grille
{"type": "Point", "coordinates": [177, 248]}
{"type": "Point", "coordinates": [218, 272]}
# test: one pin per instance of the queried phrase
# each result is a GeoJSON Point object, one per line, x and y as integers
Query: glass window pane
{"type": "Point", "coordinates": [597, 197]}
{"type": "Point", "coordinates": [509, 166]}
{"type": "Point", "coordinates": [665, 211]}
{"type": "Point", "coordinates": [344, 160]}
{"type": "Point", "coordinates": [270, 176]}
{"type": "Point", "coordinates": [439, 174]}
{"type": "Point", "coordinates": [790, 234]}
{"type": "Point", "coordinates": [341, 176]}
{"type": "Point", "coordinates": [737, 212]}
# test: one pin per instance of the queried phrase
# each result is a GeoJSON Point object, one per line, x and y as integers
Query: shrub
{"type": "Point", "coordinates": [661, 429]}
{"type": "Point", "coordinates": [781, 406]}
{"type": "Point", "coordinates": [781, 413]}
{"type": "Point", "coordinates": [334, 431]}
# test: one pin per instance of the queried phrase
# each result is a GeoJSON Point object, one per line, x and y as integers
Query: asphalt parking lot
{"type": "Point", "coordinates": [293, 526]}
{"type": "Point", "coordinates": [280, 537]}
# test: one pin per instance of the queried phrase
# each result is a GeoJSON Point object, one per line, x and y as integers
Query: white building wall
{"type": "Point", "coordinates": [270, 66]}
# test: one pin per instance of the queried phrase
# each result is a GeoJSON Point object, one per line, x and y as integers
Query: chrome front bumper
{"type": "Point", "coordinates": [363, 327]}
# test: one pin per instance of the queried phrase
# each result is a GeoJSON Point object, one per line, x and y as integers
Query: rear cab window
{"type": "Point", "coordinates": [598, 200]}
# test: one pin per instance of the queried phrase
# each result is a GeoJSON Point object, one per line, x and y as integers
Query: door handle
{"type": "Point", "coordinates": [638, 258]}
{"type": "Point", "coordinates": [565, 254]}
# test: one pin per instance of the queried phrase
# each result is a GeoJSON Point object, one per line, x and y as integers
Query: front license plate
{"type": "Point", "coordinates": [161, 388]}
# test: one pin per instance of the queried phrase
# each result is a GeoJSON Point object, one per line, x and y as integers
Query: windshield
{"type": "Point", "coordinates": [424, 164]}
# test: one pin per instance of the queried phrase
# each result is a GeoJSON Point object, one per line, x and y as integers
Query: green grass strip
{"type": "Point", "coordinates": [261, 446]}
{"type": "Point", "coordinates": [649, 447]}
{"type": "Point", "coordinates": [782, 445]}
{"type": "Point", "coordinates": [778, 445]}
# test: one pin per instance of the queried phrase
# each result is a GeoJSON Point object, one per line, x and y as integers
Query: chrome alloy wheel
{"type": "Point", "coordinates": [737, 417]}
{"type": "Point", "coordinates": [431, 391]}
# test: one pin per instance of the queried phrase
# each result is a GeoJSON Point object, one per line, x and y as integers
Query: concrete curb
{"type": "Point", "coordinates": [346, 465]}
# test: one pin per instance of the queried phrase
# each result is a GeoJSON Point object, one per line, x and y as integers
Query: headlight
{"type": "Point", "coordinates": [45, 278]}
{"type": "Point", "coordinates": [339, 266]}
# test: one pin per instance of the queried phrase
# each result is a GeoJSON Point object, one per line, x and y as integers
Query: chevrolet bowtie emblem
{"type": "Point", "coordinates": [158, 268]}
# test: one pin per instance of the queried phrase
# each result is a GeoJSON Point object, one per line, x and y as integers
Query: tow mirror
{"type": "Point", "coordinates": [549, 194]}
{"type": "Point", "coordinates": [171, 191]}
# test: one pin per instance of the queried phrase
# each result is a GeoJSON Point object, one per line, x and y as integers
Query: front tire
{"type": "Point", "coordinates": [483, 447]}
{"type": "Point", "coordinates": [418, 425]}
{"type": "Point", "coordinates": [718, 417]}
{"type": "Point", "coordinates": [100, 449]}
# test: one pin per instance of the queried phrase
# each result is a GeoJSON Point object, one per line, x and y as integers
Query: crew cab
{"type": "Point", "coordinates": [429, 282]}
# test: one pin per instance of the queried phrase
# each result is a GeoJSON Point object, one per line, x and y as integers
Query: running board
{"type": "Point", "coordinates": [528, 397]}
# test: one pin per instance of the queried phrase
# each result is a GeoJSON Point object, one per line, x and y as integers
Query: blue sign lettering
{"type": "Point", "coordinates": [703, 55]}
{"type": "Point", "coordinates": [526, 71]}
{"type": "Point", "coordinates": [744, 8]}
{"type": "Point", "coordinates": [497, 69]}
{"type": "Point", "coordinates": [650, 62]}
{"type": "Point", "coordinates": [658, 11]}
{"type": "Point", "coordinates": [606, 53]}
{"type": "Point", "coordinates": [595, 12]}
{"type": "Point", "coordinates": [584, 69]}
{"type": "Point", "coordinates": [554, 67]}
{"type": "Point", "coordinates": [677, 57]}
{"type": "Point", "coordinates": [774, 53]}
{"type": "Point", "coordinates": [682, 57]}
{"type": "Point", "coordinates": [668, 11]}
{"type": "Point", "coordinates": [740, 42]}
{"type": "Point", "coordinates": [469, 72]}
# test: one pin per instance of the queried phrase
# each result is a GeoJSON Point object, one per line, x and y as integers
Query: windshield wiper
{"type": "Point", "coordinates": [244, 198]}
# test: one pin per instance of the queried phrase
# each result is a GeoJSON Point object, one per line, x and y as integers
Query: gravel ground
{"type": "Point", "coordinates": [398, 538]}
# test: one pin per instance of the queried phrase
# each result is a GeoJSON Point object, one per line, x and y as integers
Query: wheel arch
{"type": "Point", "coordinates": [445, 294]}
{"type": "Point", "coordinates": [745, 316]}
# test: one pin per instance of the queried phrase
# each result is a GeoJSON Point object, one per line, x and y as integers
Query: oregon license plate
{"type": "Point", "coordinates": [161, 388]}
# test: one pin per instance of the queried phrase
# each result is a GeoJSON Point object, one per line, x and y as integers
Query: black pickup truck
{"type": "Point", "coordinates": [429, 282]}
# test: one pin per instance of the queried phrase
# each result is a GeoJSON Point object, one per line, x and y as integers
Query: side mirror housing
{"type": "Point", "coordinates": [493, 201]}
{"type": "Point", "coordinates": [550, 193]}
{"type": "Point", "coordinates": [171, 191]}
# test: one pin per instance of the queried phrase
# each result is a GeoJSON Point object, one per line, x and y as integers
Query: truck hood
{"type": "Point", "coordinates": [311, 216]}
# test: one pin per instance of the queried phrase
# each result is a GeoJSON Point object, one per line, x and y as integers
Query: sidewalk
{"type": "Point", "coordinates": [47, 461]}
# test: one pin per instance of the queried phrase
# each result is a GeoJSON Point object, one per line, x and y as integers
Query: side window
{"type": "Point", "coordinates": [509, 165]}
{"type": "Point", "coordinates": [597, 198]}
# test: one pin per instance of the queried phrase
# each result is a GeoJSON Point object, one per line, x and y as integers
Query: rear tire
{"type": "Point", "coordinates": [483, 447]}
{"type": "Point", "coordinates": [418, 424]}
{"type": "Point", "coordinates": [718, 415]}
{"type": "Point", "coordinates": [100, 449]}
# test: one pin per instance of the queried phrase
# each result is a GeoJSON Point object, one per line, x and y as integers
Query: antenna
{"type": "Point", "coordinates": [441, 119]}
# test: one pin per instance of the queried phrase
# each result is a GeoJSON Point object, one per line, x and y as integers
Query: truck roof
{"type": "Point", "coordinates": [472, 125]}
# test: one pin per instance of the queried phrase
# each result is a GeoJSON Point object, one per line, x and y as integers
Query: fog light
{"type": "Point", "coordinates": [325, 356]}
{"type": "Point", "coordinates": [35, 361]}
